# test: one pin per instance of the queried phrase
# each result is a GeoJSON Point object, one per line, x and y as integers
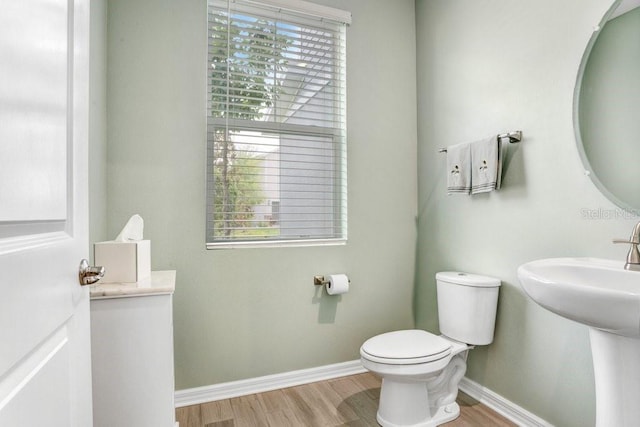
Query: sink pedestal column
{"type": "Point", "coordinates": [616, 364]}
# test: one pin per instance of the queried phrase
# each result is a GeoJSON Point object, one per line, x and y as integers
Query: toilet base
{"type": "Point", "coordinates": [425, 400]}
{"type": "Point", "coordinates": [443, 415]}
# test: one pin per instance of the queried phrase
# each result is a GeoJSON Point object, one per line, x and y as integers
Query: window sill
{"type": "Point", "coordinates": [277, 244]}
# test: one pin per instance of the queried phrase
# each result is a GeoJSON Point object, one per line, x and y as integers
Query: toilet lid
{"type": "Point", "coordinates": [405, 347]}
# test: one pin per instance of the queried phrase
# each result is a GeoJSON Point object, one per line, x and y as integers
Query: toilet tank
{"type": "Point", "coordinates": [467, 306]}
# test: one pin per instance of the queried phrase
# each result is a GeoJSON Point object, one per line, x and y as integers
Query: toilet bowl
{"type": "Point", "coordinates": [420, 374]}
{"type": "Point", "coordinates": [421, 371]}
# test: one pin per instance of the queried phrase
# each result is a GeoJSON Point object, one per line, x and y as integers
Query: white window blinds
{"type": "Point", "coordinates": [276, 130]}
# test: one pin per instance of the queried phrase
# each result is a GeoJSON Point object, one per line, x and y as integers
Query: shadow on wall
{"type": "Point", "coordinates": [327, 305]}
{"type": "Point", "coordinates": [516, 177]}
{"type": "Point", "coordinates": [517, 349]}
{"type": "Point", "coordinates": [424, 295]}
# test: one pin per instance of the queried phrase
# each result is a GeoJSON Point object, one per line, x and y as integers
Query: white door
{"type": "Point", "coordinates": [45, 368]}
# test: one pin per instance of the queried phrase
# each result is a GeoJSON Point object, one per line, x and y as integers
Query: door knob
{"type": "Point", "coordinates": [89, 275]}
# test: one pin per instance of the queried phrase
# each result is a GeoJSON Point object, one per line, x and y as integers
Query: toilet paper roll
{"type": "Point", "coordinates": [337, 284]}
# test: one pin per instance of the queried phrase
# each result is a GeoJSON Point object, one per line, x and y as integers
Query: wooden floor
{"type": "Point", "coordinates": [348, 401]}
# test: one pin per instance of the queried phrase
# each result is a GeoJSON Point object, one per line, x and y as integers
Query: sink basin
{"type": "Point", "coordinates": [604, 296]}
{"type": "Point", "coordinates": [596, 292]}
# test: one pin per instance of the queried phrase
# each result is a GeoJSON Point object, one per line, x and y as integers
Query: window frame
{"type": "Point", "coordinates": [337, 135]}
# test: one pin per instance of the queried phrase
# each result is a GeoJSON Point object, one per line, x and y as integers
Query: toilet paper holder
{"type": "Point", "coordinates": [320, 281]}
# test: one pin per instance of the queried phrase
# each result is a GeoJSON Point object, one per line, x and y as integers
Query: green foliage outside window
{"type": "Point", "coordinates": [246, 59]}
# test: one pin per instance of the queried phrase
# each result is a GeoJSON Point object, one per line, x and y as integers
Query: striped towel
{"type": "Point", "coordinates": [484, 165]}
{"type": "Point", "coordinates": [459, 169]}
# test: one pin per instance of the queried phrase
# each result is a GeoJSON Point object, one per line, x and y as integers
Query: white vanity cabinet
{"type": "Point", "coordinates": [132, 352]}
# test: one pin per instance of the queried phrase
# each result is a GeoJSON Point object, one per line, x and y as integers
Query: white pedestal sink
{"type": "Point", "coordinates": [604, 296]}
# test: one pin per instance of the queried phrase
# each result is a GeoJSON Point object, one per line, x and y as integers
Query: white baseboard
{"type": "Point", "coordinates": [504, 407]}
{"type": "Point", "coordinates": [194, 396]}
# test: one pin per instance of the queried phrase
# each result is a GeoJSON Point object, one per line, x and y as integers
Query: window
{"type": "Point", "coordinates": [276, 128]}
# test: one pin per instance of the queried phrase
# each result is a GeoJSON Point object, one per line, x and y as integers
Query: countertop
{"type": "Point", "coordinates": [160, 282]}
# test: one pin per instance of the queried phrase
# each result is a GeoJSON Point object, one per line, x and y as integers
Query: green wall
{"type": "Point", "coordinates": [249, 312]}
{"type": "Point", "coordinates": [495, 66]}
{"type": "Point", "coordinates": [98, 122]}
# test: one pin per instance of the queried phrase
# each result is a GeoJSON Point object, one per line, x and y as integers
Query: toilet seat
{"type": "Point", "coordinates": [407, 347]}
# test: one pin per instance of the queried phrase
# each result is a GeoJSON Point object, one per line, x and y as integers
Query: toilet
{"type": "Point", "coordinates": [420, 371]}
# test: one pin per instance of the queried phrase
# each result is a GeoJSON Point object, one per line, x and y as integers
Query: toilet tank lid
{"type": "Point", "coordinates": [466, 279]}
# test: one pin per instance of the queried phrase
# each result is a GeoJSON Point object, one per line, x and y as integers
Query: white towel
{"type": "Point", "coordinates": [459, 169]}
{"type": "Point", "coordinates": [484, 165]}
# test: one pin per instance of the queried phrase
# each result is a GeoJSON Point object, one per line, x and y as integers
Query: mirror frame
{"type": "Point", "coordinates": [588, 169]}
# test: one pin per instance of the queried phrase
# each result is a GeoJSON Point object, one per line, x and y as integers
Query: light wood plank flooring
{"type": "Point", "coordinates": [348, 401]}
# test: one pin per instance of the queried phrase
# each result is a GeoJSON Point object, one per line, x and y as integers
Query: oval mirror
{"type": "Point", "coordinates": [607, 106]}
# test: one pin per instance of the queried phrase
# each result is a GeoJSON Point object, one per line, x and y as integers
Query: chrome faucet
{"type": "Point", "coordinates": [633, 257]}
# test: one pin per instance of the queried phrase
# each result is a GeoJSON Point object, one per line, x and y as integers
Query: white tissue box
{"type": "Point", "coordinates": [123, 262]}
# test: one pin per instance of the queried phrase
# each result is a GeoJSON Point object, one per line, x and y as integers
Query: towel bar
{"type": "Point", "coordinates": [515, 136]}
